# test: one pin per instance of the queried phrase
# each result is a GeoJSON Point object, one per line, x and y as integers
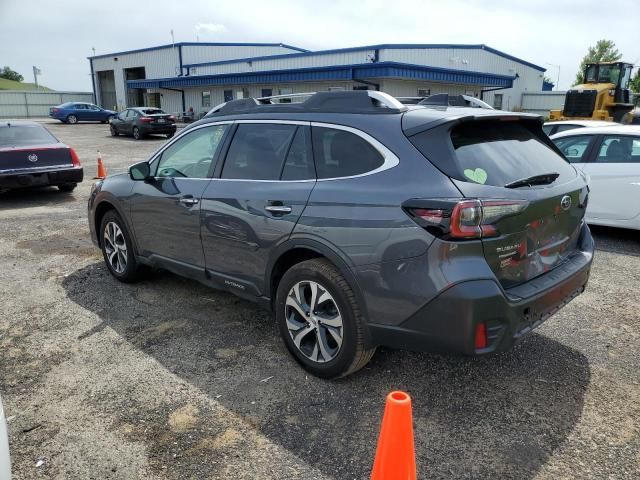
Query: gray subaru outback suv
{"type": "Point", "coordinates": [360, 222]}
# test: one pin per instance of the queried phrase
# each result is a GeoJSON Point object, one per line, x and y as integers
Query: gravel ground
{"type": "Point", "coordinates": [167, 379]}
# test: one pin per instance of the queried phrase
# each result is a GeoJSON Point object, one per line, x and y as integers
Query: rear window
{"type": "Point", "coordinates": [25, 135]}
{"type": "Point", "coordinates": [152, 111]}
{"type": "Point", "coordinates": [497, 153]}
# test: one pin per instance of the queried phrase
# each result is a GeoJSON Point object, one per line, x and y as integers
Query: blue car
{"type": "Point", "coordinates": [74, 112]}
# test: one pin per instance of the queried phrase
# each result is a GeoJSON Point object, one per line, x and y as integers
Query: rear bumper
{"type": "Point", "coordinates": [159, 129]}
{"type": "Point", "coordinates": [40, 177]}
{"type": "Point", "coordinates": [448, 322]}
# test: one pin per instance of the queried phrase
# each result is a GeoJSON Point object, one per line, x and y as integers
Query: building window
{"type": "Point", "coordinates": [424, 92]}
{"type": "Point", "coordinates": [266, 92]}
{"type": "Point", "coordinates": [228, 95]}
{"type": "Point", "coordinates": [285, 91]}
{"type": "Point", "coordinates": [497, 101]}
{"type": "Point", "coordinates": [206, 99]}
{"type": "Point", "coordinates": [192, 70]}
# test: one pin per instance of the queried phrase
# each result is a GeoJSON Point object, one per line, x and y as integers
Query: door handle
{"type": "Point", "coordinates": [278, 209]}
{"type": "Point", "coordinates": [189, 201]}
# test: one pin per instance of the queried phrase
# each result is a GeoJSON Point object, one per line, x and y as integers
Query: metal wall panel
{"type": "Point", "coordinates": [297, 61]}
{"type": "Point", "coordinates": [542, 102]}
{"type": "Point", "coordinates": [205, 53]}
{"type": "Point", "coordinates": [29, 104]}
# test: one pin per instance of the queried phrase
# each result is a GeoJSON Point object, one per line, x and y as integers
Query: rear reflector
{"type": "Point", "coordinates": [75, 160]}
{"type": "Point", "coordinates": [481, 336]}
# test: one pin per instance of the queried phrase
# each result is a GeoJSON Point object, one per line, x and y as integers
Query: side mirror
{"type": "Point", "coordinates": [140, 171]}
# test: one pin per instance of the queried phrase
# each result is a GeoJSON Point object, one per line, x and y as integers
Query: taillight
{"type": "Point", "coordinates": [464, 219]}
{"type": "Point", "coordinates": [172, 118]}
{"type": "Point", "coordinates": [146, 119]}
{"type": "Point", "coordinates": [55, 110]}
{"type": "Point", "coordinates": [75, 160]}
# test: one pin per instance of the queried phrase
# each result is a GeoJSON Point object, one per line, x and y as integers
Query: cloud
{"type": "Point", "coordinates": [211, 27]}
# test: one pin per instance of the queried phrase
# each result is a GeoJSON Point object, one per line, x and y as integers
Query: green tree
{"type": "Point", "coordinates": [9, 74]}
{"type": "Point", "coordinates": [634, 84]}
{"type": "Point", "coordinates": [603, 51]}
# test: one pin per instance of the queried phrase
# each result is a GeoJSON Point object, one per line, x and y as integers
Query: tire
{"type": "Point", "coordinates": [113, 130]}
{"type": "Point", "coordinates": [72, 119]}
{"type": "Point", "coordinates": [136, 133]}
{"type": "Point", "coordinates": [169, 135]}
{"type": "Point", "coordinates": [328, 358]}
{"type": "Point", "coordinates": [67, 187]}
{"type": "Point", "coordinates": [129, 272]}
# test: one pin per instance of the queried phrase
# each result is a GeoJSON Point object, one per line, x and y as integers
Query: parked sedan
{"type": "Point", "coordinates": [5, 463]}
{"type": "Point", "coordinates": [551, 128]}
{"type": "Point", "coordinates": [74, 112]}
{"type": "Point", "coordinates": [611, 157]}
{"type": "Point", "coordinates": [31, 156]}
{"type": "Point", "coordinates": [142, 121]}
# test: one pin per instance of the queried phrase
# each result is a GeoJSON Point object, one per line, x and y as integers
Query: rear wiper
{"type": "Point", "coordinates": [543, 179]}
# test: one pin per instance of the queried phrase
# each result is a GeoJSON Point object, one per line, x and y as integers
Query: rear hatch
{"type": "Point", "coordinates": [27, 146]}
{"type": "Point", "coordinates": [157, 117]}
{"type": "Point", "coordinates": [531, 201]}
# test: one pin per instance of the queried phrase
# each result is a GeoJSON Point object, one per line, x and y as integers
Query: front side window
{"type": "Point", "coordinates": [574, 148]}
{"type": "Point", "coordinates": [258, 151]}
{"type": "Point", "coordinates": [339, 153]}
{"type": "Point", "coordinates": [192, 154]}
{"type": "Point", "coordinates": [619, 149]}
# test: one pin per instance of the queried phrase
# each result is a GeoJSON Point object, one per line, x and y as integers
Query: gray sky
{"type": "Point", "coordinates": [57, 36]}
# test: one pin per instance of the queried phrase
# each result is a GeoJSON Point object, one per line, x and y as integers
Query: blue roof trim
{"type": "Point", "coordinates": [338, 72]}
{"type": "Point", "coordinates": [201, 44]}
{"type": "Point", "coordinates": [388, 46]}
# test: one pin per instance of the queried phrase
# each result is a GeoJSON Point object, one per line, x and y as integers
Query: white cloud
{"type": "Point", "coordinates": [210, 27]}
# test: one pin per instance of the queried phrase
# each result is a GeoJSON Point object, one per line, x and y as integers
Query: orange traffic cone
{"type": "Point", "coordinates": [395, 455]}
{"type": "Point", "coordinates": [102, 172]}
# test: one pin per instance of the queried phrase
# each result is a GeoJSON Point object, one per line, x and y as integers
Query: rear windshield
{"type": "Point", "coordinates": [25, 135]}
{"type": "Point", "coordinates": [152, 111]}
{"type": "Point", "coordinates": [500, 152]}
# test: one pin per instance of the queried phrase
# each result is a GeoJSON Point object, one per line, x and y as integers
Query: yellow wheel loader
{"type": "Point", "coordinates": [605, 94]}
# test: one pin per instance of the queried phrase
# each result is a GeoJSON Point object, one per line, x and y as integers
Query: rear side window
{"type": "Point", "coordinates": [25, 135]}
{"type": "Point", "coordinates": [299, 163]}
{"type": "Point", "coordinates": [258, 151]}
{"type": "Point", "coordinates": [619, 149]}
{"type": "Point", "coordinates": [497, 153]}
{"type": "Point", "coordinates": [339, 153]}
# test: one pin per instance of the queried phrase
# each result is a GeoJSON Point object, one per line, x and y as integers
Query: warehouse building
{"type": "Point", "coordinates": [195, 77]}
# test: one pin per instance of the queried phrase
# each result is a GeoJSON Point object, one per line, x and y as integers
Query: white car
{"type": "Point", "coordinates": [610, 156]}
{"type": "Point", "coordinates": [551, 128]}
{"type": "Point", "coordinates": [5, 463]}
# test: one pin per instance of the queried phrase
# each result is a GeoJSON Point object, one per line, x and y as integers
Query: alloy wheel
{"type": "Point", "coordinates": [314, 321]}
{"type": "Point", "coordinates": [115, 247]}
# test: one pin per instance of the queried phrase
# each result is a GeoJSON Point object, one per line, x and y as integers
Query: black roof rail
{"type": "Point", "coordinates": [357, 101]}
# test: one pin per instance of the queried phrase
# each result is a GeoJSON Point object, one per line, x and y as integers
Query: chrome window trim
{"type": "Point", "coordinates": [390, 158]}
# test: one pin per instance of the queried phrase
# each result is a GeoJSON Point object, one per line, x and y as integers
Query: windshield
{"type": "Point", "coordinates": [609, 74]}
{"type": "Point", "coordinates": [25, 135]}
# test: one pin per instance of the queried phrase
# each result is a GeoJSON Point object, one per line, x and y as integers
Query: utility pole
{"type": "Point", "coordinates": [36, 72]}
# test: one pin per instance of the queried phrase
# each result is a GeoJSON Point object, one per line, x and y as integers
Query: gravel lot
{"type": "Point", "coordinates": [168, 379]}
